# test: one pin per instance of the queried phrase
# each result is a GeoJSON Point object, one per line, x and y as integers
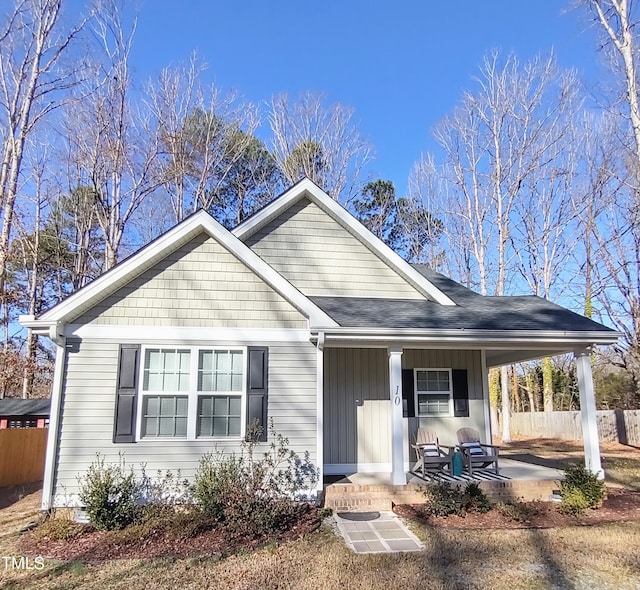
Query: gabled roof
{"type": "Point", "coordinates": [14, 406]}
{"type": "Point", "coordinates": [154, 252]}
{"type": "Point", "coordinates": [305, 188]}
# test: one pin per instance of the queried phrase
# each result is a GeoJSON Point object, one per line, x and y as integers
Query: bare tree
{"type": "Point", "coordinates": [319, 142]}
{"type": "Point", "coordinates": [205, 138]}
{"type": "Point", "coordinates": [497, 143]}
{"type": "Point", "coordinates": [34, 80]}
{"type": "Point", "coordinates": [614, 221]}
{"type": "Point", "coordinates": [110, 141]}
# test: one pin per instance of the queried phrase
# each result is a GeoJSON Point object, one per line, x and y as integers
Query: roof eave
{"type": "Point", "coordinates": [602, 338]}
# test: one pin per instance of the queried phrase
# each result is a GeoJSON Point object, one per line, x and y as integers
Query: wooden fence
{"type": "Point", "coordinates": [22, 452]}
{"type": "Point", "coordinates": [621, 426]}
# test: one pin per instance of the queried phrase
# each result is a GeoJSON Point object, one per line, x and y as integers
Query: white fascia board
{"type": "Point", "coordinates": [531, 337]}
{"type": "Point", "coordinates": [155, 251]}
{"type": "Point", "coordinates": [306, 188]}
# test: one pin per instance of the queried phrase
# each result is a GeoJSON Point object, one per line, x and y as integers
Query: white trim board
{"type": "Point", "coordinates": [179, 334]}
{"type": "Point", "coordinates": [308, 189]}
{"type": "Point", "coordinates": [348, 468]}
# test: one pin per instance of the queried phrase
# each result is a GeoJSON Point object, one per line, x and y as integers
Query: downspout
{"type": "Point", "coordinates": [320, 411]}
{"type": "Point", "coordinates": [56, 333]}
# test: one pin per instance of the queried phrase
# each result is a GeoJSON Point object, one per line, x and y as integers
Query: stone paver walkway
{"type": "Point", "coordinates": [378, 532]}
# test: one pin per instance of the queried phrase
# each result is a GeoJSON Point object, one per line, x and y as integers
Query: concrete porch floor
{"type": "Point", "coordinates": [509, 468]}
{"type": "Point", "coordinates": [373, 491]}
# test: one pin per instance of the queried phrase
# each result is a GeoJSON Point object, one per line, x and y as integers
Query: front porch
{"type": "Point", "coordinates": [363, 492]}
{"type": "Point", "coordinates": [373, 398]}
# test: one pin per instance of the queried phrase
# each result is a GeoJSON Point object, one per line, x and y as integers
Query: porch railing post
{"type": "Point", "coordinates": [588, 412]}
{"type": "Point", "coordinates": [398, 475]}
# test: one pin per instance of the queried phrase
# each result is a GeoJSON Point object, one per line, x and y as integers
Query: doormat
{"type": "Point", "coordinates": [359, 516]}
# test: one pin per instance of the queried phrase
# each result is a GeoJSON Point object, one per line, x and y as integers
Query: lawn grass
{"type": "Point", "coordinates": [603, 556]}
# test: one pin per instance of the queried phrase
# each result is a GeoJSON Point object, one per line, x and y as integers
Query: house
{"type": "Point", "coordinates": [24, 413]}
{"type": "Point", "coordinates": [299, 315]}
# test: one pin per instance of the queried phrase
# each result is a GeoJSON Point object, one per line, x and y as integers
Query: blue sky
{"type": "Point", "coordinates": [401, 64]}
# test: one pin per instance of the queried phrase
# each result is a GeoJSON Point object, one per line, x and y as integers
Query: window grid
{"type": "Point", "coordinates": [194, 371]}
{"type": "Point", "coordinates": [166, 369]}
{"type": "Point", "coordinates": [219, 415]}
{"type": "Point", "coordinates": [164, 415]}
{"type": "Point", "coordinates": [433, 392]}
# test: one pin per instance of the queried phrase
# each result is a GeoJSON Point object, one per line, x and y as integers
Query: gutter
{"type": "Point", "coordinates": [464, 335]}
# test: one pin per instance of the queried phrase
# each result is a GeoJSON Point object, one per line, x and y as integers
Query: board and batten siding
{"type": "Point", "coordinates": [357, 409]}
{"type": "Point", "coordinates": [357, 423]}
{"type": "Point", "coordinates": [88, 402]}
{"type": "Point", "coordinates": [320, 257]}
{"type": "Point", "coordinates": [199, 284]}
{"type": "Point", "coordinates": [447, 426]}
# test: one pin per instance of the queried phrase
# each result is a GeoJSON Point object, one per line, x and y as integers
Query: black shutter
{"type": "Point", "coordinates": [124, 424]}
{"type": "Point", "coordinates": [460, 393]}
{"type": "Point", "coordinates": [257, 383]}
{"type": "Point", "coordinates": [408, 397]}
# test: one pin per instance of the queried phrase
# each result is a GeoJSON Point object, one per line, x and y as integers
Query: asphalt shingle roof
{"type": "Point", "coordinates": [472, 311]}
{"type": "Point", "coordinates": [15, 406]}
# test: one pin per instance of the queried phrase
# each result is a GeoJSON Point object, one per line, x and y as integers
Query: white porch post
{"type": "Point", "coordinates": [320, 411]}
{"type": "Point", "coordinates": [588, 412]}
{"type": "Point", "coordinates": [398, 475]}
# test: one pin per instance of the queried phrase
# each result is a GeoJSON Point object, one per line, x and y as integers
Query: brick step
{"type": "Point", "coordinates": [365, 498]}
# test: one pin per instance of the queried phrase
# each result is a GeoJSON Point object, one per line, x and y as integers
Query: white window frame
{"type": "Point", "coordinates": [416, 392]}
{"type": "Point", "coordinates": [192, 394]}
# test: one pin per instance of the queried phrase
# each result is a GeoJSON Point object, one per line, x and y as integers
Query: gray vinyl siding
{"type": "Point", "coordinates": [199, 284]}
{"type": "Point", "coordinates": [88, 402]}
{"type": "Point", "coordinates": [446, 427]}
{"type": "Point", "coordinates": [357, 427]}
{"type": "Point", "coordinates": [320, 257]}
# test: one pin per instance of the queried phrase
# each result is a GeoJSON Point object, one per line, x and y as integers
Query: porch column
{"type": "Point", "coordinates": [398, 475]}
{"type": "Point", "coordinates": [588, 412]}
{"type": "Point", "coordinates": [320, 412]}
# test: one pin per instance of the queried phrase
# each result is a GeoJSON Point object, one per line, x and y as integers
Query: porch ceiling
{"type": "Point", "coordinates": [498, 358]}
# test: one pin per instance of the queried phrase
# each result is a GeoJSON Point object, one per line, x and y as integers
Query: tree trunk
{"type": "Point", "coordinates": [547, 384]}
{"type": "Point", "coordinates": [506, 405]}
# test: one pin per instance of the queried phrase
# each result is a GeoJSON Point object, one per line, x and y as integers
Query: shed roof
{"type": "Point", "coordinates": [471, 312]}
{"type": "Point", "coordinates": [15, 406]}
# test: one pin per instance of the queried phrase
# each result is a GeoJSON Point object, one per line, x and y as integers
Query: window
{"type": "Point", "coordinates": [433, 392]}
{"type": "Point", "coordinates": [164, 415]}
{"type": "Point", "coordinates": [192, 392]}
{"type": "Point", "coordinates": [220, 372]}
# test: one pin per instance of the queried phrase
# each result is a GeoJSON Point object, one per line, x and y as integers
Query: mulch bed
{"type": "Point", "coordinates": [97, 546]}
{"type": "Point", "coordinates": [619, 505]}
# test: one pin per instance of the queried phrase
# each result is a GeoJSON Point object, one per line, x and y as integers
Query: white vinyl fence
{"type": "Point", "coordinates": [621, 426]}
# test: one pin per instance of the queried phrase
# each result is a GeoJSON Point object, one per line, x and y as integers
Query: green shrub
{"type": "Point", "coordinates": [474, 499]}
{"type": "Point", "coordinates": [578, 477]}
{"type": "Point", "coordinates": [574, 502]}
{"type": "Point", "coordinates": [109, 494]}
{"type": "Point", "coordinates": [250, 495]}
{"type": "Point", "coordinates": [443, 499]}
{"type": "Point", "coordinates": [59, 529]}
